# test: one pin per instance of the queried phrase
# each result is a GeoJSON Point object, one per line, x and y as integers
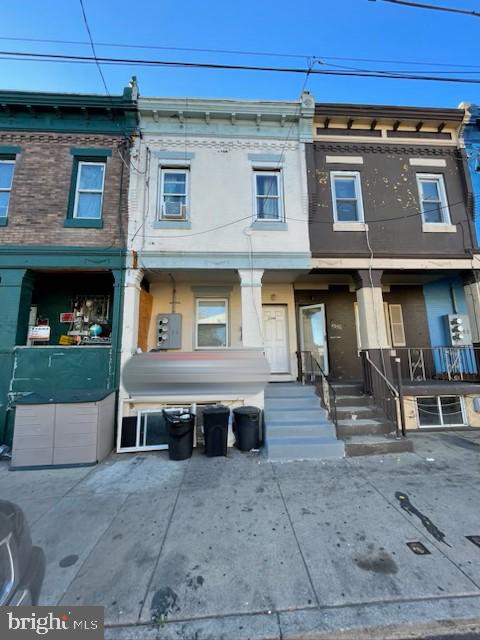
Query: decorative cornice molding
{"type": "Point", "coordinates": [358, 147]}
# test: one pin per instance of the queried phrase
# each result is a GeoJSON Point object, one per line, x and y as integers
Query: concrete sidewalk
{"type": "Point", "coordinates": [242, 548]}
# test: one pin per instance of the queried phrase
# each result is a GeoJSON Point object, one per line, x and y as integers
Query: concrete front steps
{"type": "Point", "coordinates": [361, 425]}
{"type": "Point", "coordinates": [296, 426]}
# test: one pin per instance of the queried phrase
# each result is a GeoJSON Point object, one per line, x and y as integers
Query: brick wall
{"type": "Point", "coordinates": [41, 187]}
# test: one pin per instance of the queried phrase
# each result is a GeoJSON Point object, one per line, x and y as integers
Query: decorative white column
{"type": "Point", "coordinates": [251, 292]}
{"type": "Point", "coordinates": [129, 328]}
{"type": "Point", "coordinates": [131, 308]}
{"type": "Point", "coordinates": [252, 318]}
{"type": "Point", "coordinates": [371, 316]}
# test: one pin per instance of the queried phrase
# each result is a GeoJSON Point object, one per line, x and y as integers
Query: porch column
{"type": "Point", "coordinates": [472, 297]}
{"type": "Point", "coordinates": [131, 306]}
{"type": "Point", "coordinates": [15, 299]}
{"type": "Point", "coordinates": [371, 317]}
{"type": "Point", "coordinates": [252, 322]}
{"type": "Point", "coordinates": [251, 292]}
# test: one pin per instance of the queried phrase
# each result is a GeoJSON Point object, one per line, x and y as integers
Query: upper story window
{"type": "Point", "coordinates": [89, 190]}
{"type": "Point", "coordinates": [6, 178]}
{"type": "Point", "coordinates": [268, 199]}
{"type": "Point", "coordinates": [173, 194]}
{"type": "Point", "coordinates": [346, 196]}
{"type": "Point", "coordinates": [211, 323]}
{"type": "Point", "coordinates": [433, 198]}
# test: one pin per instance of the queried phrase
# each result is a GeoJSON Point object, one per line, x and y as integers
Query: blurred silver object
{"type": "Point", "coordinates": [222, 372]}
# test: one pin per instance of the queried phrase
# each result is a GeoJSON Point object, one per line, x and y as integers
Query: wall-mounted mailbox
{"type": "Point", "coordinates": [169, 331]}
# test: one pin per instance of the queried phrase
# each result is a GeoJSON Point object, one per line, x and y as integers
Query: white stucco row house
{"type": "Point", "coordinates": [218, 234]}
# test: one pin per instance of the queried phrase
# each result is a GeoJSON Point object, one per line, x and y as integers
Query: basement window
{"type": "Point", "coordinates": [440, 411]}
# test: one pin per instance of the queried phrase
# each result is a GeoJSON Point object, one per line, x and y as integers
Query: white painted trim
{"type": "Point", "coordinates": [162, 171]}
{"type": "Point", "coordinates": [82, 163]}
{"type": "Point", "coordinates": [438, 177]}
{"type": "Point", "coordinates": [350, 226]}
{"type": "Point", "coordinates": [7, 189]}
{"type": "Point", "coordinates": [344, 159]}
{"type": "Point", "coordinates": [396, 263]}
{"type": "Point", "coordinates": [442, 425]}
{"type": "Point", "coordinates": [438, 227]}
{"type": "Point", "coordinates": [268, 171]}
{"type": "Point", "coordinates": [358, 193]}
{"type": "Point", "coordinates": [196, 323]}
{"type": "Point", "coordinates": [427, 162]}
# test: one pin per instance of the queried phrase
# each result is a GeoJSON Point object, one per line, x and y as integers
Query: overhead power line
{"type": "Point", "coordinates": [433, 7]}
{"type": "Point", "coordinates": [373, 73]}
{"type": "Point", "coordinates": [265, 54]}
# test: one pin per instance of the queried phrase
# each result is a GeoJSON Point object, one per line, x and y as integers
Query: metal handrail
{"type": "Point", "coordinates": [379, 387]}
{"type": "Point", "coordinates": [382, 375]}
{"type": "Point", "coordinates": [329, 395]}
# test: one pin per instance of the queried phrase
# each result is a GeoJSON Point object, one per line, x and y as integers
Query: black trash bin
{"type": "Point", "coordinates": [247, 427]}
{"type": "Point", "coordinates": [215, 429]}
{"type": "Point", "coordinates": [180, 434]}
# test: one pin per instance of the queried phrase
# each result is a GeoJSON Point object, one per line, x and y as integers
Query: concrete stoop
{"type": "Point", "coordinates": [296, 426]}
{"type": "Point", "coordinates": [361, 425]}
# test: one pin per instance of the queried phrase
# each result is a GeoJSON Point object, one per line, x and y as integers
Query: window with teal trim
{"type": "Point", "coordinates": [7, 167]}
{"type": "Point", "coordinates": [87, 188]}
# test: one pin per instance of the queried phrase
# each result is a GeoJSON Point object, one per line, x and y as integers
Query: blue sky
{"type": "Point", "coordinates": [340, 28]}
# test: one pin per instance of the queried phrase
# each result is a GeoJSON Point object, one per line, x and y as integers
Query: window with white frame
{"type": "Point", "coordinates": [440, 411]}
{"type": "Point", "coordinates": [211, 323]}
{"type": "Point", "coordinates": [6, 178]}
{"type": "Point", "coordinates": [89, 190]}
{"type": "Point", "coordinates": [433, 198]}
{"type": "Point", "coordinates": [268, 195]}
{"type": "Point", "coordinates": [173, 194]}
{"type": "Point", "coordinates": [346, 196]}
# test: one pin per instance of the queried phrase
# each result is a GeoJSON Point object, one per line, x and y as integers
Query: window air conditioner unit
{"type": "Point", "coordinates": [181, 215]}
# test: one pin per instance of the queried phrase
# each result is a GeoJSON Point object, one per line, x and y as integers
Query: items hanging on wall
{"type": "Point", "coordinates": [89, 323]}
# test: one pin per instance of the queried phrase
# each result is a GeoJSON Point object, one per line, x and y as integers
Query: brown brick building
{"type": "Point", "coordinates": [64, 177]}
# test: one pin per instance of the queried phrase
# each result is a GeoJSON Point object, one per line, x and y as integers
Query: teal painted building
{"type": "Point", "coordinates": [64, 177]}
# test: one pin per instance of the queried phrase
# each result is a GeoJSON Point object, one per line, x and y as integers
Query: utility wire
{"type": "Point", "coordinates": [434, 7]}
{"type": "Point", "coordinates": [51, 57]}
{"type": "Point", "coordinates": [268, 54]}
{"type": "Point", "coordinates": [309, 221]}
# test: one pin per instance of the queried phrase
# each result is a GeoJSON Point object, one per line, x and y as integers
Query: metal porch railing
{"type": "Point", "coordinates": [310, 372]}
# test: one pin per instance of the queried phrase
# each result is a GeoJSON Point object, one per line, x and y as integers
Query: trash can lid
{"type": "Point", "coordinates": [219, 408]}
{"type": "Point", "coordinates": [247, 411]}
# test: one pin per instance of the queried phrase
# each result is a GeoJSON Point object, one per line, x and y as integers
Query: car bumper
{"type": "Point", "coordinates": [28, 591]}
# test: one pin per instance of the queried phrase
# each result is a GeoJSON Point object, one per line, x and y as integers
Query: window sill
{"type": "Point", "coordinates": [172, 224]}
{"type": "Point", "coordinates": [3, 221]}
{"type": "Point", "coordinates": [438, 227]}
{"type": "Point", "coordinates": [83, 223]}
{"type": "Point", "coordinates": [269, 225]}
{"type": "Point", "coordinates": [350, 226]}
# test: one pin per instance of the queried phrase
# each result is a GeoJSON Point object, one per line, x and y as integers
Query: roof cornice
{"type": "Point", "coordinates": [388, 112]}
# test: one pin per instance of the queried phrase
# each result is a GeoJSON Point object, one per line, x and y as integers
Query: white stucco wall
{"type": "Point", "coordinates": [221, 193]}
{"type": "Point", "coordinates": [221, 157]}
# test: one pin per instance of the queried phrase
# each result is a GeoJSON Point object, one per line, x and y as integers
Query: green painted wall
{"type": "Point", "coordinates": [41, 368]}
{"type": "Point", "coordinates": [49, 368]}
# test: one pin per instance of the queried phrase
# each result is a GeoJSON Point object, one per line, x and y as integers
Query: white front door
{"type": "Point", "coordinates": [275, 337]}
